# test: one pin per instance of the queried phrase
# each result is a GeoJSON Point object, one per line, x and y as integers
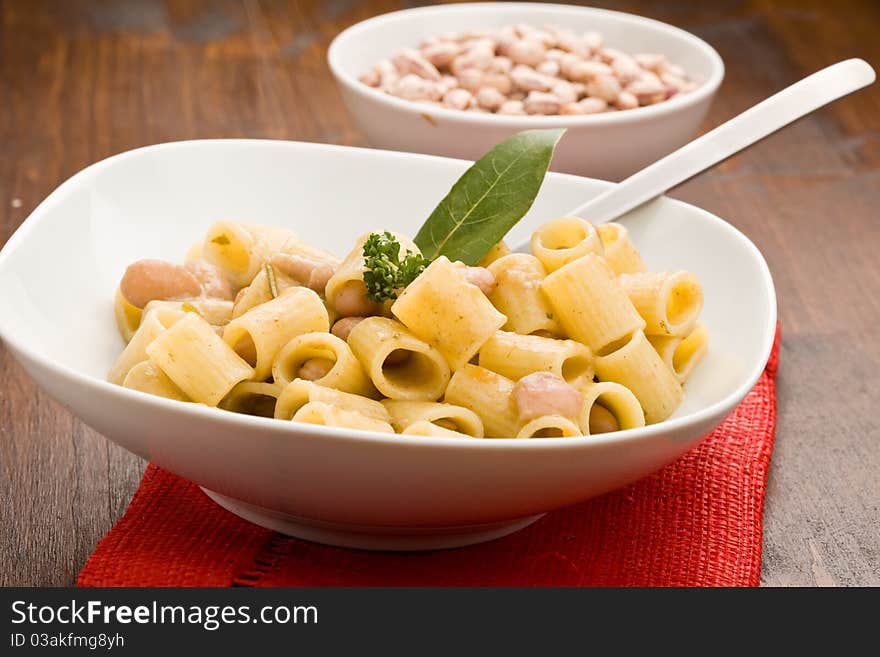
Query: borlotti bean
{"type": "Point", "coordinates": [522, 69]}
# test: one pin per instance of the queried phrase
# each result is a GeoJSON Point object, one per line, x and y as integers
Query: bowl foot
{"type": "Point", "coordinates": [365, 537]}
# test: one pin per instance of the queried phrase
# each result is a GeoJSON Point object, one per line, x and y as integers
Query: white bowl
{"type": "Point", "coordinates": [59, 271]}
{"type": "Point", "coordinates": [610, 146]}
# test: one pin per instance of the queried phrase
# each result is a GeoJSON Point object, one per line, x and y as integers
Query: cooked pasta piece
{"type": "Point", "coordinates": [217, 312]}
{"type": "Point", "coordinates": [620, 253]}
{"type": "Point", "coordinates": [327, 356]}
{"type": "Point", "coordinates": [154, 323]}
{"type": "Point", "coordinates": [232, 247]}
{"type": "Point", "coordinates": [495, 253]}
{"type": "Point", "coordinates": [442, 308]}
{"type": "Point", "coordinates": [147, 377]}
{"type": "Point", "coordinates": [446, 416]}
{"type": "Point", "coordinates": [299, 392]}
{"type": "Point", "coordinates": [260, 333]}
{"type": "Point", "coordinates": [514, 356]}
{"type": "Point", "coordinates": [268, 284]}
{"type": "Point", "coordinates": [682, 355]}
{"type": "Point", "coordinates": [549, 426]}
{"type": "Point", "coordinates": [609, 407]}
{"type": "Point", "coordinates": [399, 364]}
{"type": "Point", "coordinates": [590, 303]}
{"type": "Point", "coordinates": [128, 316]}
{"type": "Point", "coordinates": [637, 366]}
{"type": "Point", "coordinates": [517, 295]}
{"type": "Point", "coordinates": [425, 428]}
{"type": "Point", "coordinates": [346, 291]}
{"type": "Point", "coordinates": [564, 240]}
{"type": "Point", "coordinates": [487, 394]}
{"type": "Point", "coordinates": [327, 415]}
{"type": "Point", "coordinates": [198, 360]}
{"type": "Point", "coordinates": [253, 398]}
{"type": "Point", "coordinates": [669, 302]}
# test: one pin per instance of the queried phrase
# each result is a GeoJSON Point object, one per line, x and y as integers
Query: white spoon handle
{"type": "Point", "coordinates": [743, 130]}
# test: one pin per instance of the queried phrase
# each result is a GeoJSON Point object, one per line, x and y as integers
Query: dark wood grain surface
{"type": "Point", "coordinates": [81, 80]}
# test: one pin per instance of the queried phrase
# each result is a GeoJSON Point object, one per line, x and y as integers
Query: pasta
{"type": "Point", "coordinates": [669, 302]}
{"type": "Point", "coordinates": [576, 338]}
{"type": "Point", "coordinates": [590, 303]}
{"type": "Point", "coordinates": [682, 355]}
{"type": "Point", "coordinates": [399, 364]}
{"type": "Point", "coordinates": [147, 377]}
{"type": "Point", "coordinates": [336, 363]}
{"type": "Point", "coordinates": [620, 253]}
{"type": "Point", "coordinates": [637, 366]}
{"type": "Point", "coordinates": [549, 426]}
{"type": "Point", "coordinates": [445, 416]}
{"type": "Point", "coordinates": [618, 400]}
{"type": "Point", "coordinates": [329, 415]}
{"type": "Point", "coordinates": [298, 393]}
{"type": "Point", "coordinates": [564, 240]}
{"type": "Point", "coordinates": [489, 396]}
{"type": "Point", "coordinates": [515, 355]}
{"type": "Point", "coordinates": [252, 398]}
{"type": "Point", "coordinates": [442, 308]}
{"type": "Point", "coordinates": [518, 296]}
{"type": "Point", "coordinates": [260, 333]}
{"type": "Point", "coordinates": [198, 361]}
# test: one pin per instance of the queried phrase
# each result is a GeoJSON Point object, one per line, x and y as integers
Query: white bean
{"type": "Point", "coordinates": [514, 107]}
{"type": "Point", "coordinates": [538, 102]}
{"type": "Point", "coordinates": [490, 98]}
{"type": "Point", "coordinates": [408, 61]}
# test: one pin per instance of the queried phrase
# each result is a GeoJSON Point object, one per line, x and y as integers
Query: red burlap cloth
{"type": "Point", "coordinates": [697, 522]}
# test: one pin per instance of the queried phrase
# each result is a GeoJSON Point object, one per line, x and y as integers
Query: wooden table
{"type": "Point", "coordinates": [82, 80]}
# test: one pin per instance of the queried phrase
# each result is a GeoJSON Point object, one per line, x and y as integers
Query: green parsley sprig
{"type": "Point", "coordinates": [385, 271]}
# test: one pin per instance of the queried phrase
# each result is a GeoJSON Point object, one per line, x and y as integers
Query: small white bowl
{"type": "Point", "coordinates": [610, 146]}
{"type": "Point", "coordinates": [59, 271]}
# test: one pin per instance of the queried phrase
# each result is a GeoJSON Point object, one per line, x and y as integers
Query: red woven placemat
{"type": "Point", "coordinates": [696, 522]}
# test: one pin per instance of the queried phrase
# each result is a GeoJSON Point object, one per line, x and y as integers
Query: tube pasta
{"type": "Point", "coordinates": [425, 428]}
{"type": "Point", "coordinates": [299, 392]}
{"type": "Point", "coordinates": [549, 426]}
{"type": "Point", "coordinates": [260, 333]}
{"type": "Point", "coordinates": [350, 273]}
{"type": "Point", "coordinates": [564, 240]}
{"type": "Point", "coordinates": [590, 303]}
{"type": "Point", "coordinates": [448, 417]}
{"type": "Point", "coordinates": [128, 316]}
{"type": "Point", "coordinates": [442, 308]}
{"type": "Point", "coordinates": [615, 398]}
{"type": "Point", "coordinates": [400, 365]}
{"type": "Point", "coordinates": [669, 302]}
{"type": "Point", "coordinates": [197, 360]}
{"type": "Point", "coordinates": [147, 377]}
{"type": "Point", "coordinates": [328, 415]}
{"type": "Point", "coordinates": [682, 355]}
{"type": "Point", "coordinates": [517, 294]}
{"type": "Point", "coordinates": [637, 366]}
{"type": "Point", "coordinates": [154, 323]}
{"type": "Point", "coordinates": [260, 290]}
{"type": "Point", "coordinates": [487, 394]}
{"type": "Point", "coordinates": [620, 253]}
{"type": "Point", "coordinates": [252, 398]}
{"type": "Point", "coordinates": [495, 253]}
{"type": "Point", "coordinates": [346, 374]}
{"type": "Point", "coordinates": [515, 356]}
{"type": "Point", "coordinates": [217, 312]}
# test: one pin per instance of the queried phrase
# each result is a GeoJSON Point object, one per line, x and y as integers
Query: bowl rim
{"type": "Point", "coordinates": [704, 92]}
{"type": "Point", "coordinates": [189, 410]}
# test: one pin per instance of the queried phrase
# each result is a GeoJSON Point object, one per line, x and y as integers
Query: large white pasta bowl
{"type": "Point", "coordinates": [59, 271]}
